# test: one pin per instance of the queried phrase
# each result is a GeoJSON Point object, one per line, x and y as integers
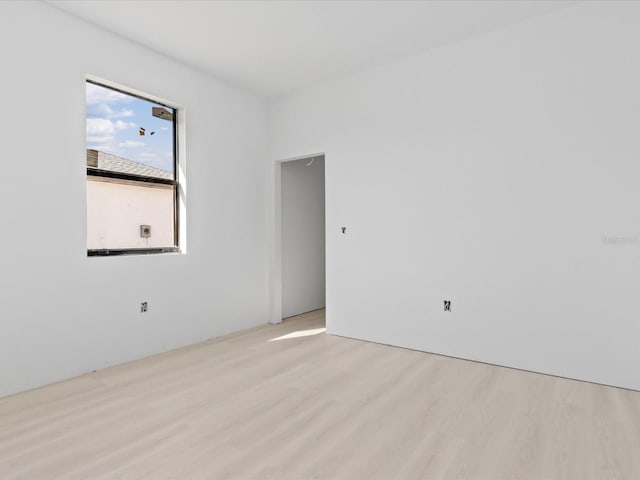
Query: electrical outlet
{"type": "Point", "coordinates": [447, 305]}
{"type": "Point", "coordinates": [144, 306]}
{"type": "Point", "coordinates": [145, 231]}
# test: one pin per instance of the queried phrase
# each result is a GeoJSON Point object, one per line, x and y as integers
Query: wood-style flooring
{"type": "Point", "coordinates": [289, 401]}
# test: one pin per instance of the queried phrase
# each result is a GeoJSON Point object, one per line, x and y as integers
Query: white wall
{"type": "Point", "coordinates": [303, 246]}
{"type": "Point", "coordinates": [489, 172]}
{"type": "Point", "coordinates": [63, 314]}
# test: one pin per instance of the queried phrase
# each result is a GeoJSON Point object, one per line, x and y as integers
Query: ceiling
{"type": "Point", "coordinates": [274, 47]}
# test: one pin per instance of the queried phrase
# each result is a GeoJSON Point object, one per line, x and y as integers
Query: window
{"type": "Point", "coordinates": [132, 187]}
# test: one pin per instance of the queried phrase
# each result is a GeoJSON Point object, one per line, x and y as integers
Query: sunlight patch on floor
{"type": "Point", "coordinates": [300, 333]}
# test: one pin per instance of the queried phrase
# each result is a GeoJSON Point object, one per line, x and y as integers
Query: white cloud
{"type": "Point", "coordinates": [104, 139]}
{"type": "Point", "coordinates": [103, 110]}
{"type": "Point", "coordinates": [120, 125]}
{"type": "Point", "coordinates": [131, 144]}
{"type": "Point", "coordinates": [100, 126]}
{"type": "Point", "coordinates": [122, 113]}
{"type": "Point", "coordinates": [102, 147]}
{"type": "Point", "coordinates": [102, 130]}
{"type": "Point", "coordinates": [97, 94]}
{"type": "Point", "coordinates": [146, 155]}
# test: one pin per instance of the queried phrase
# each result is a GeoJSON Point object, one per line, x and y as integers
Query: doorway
{"type": "Point", "coordinates": [302, 233]}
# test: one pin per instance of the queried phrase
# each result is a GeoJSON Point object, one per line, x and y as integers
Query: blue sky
{"type": "Point", "coordinates": [113, 126]}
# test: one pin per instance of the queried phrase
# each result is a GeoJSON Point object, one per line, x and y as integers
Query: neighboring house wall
{"type": "Point", "coordinates": [116, 209]}
{"type": "Point", "coordinates": [500, 173]}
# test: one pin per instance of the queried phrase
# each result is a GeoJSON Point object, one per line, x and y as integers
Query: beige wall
{"type": "Point", "coordinates": [115, 211]}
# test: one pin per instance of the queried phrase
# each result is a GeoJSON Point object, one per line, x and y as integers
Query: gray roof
{"type": "Point", "coordinates": [113, 163]}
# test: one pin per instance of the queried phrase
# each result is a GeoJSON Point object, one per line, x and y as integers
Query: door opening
{"type": "Point", "coordinates": [302, 234]}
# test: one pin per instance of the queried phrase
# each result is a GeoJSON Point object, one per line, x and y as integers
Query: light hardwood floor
{"type": "Point", "coordinates": [253, 405]}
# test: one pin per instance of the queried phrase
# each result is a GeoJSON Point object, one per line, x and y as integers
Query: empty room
{"type": "Point", "coordinates": [320, 239]}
